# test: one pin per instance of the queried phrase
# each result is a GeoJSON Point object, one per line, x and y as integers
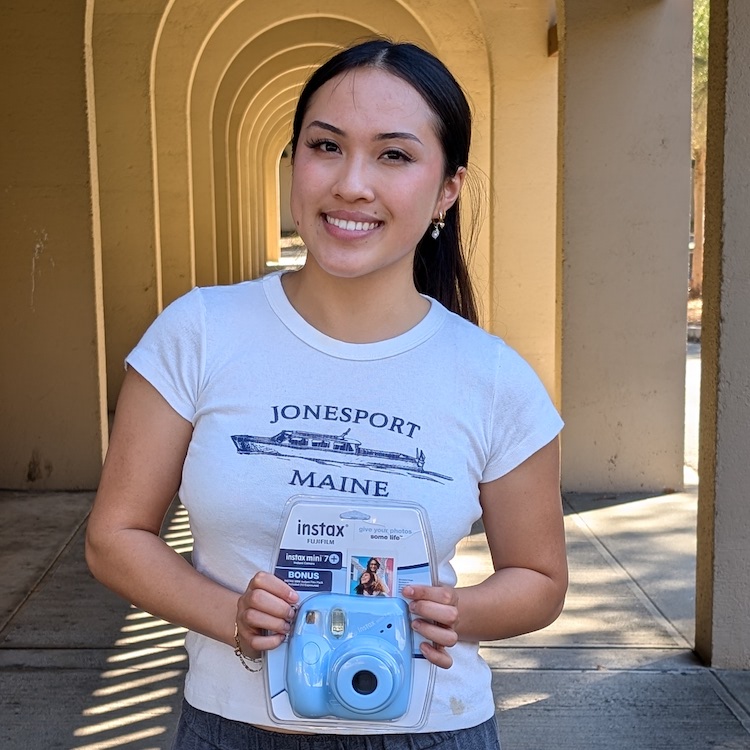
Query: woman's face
{"type": "Point", "coordinates": [365, 578]}
{"type": "Point", "coordinates": [368, 175]}
{"type": "Point", "coordinates": [372, 566]}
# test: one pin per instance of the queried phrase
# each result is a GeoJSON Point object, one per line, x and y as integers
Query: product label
{"type": "Point", "coordinates": [349, 564]}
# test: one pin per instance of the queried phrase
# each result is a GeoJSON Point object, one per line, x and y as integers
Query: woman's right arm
{"type": "Point", "coordinates": [140, 478]}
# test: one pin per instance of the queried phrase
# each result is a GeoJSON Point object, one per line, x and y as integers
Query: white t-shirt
{"type": "Point", "coordinates": [240, 361]}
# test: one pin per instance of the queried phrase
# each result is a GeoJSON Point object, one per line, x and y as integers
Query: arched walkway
{"type": "Point", "coordinates": [220, 92]}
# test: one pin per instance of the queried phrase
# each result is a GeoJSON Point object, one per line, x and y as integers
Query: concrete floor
{"type": "Point", "coordinates": [80, 669]}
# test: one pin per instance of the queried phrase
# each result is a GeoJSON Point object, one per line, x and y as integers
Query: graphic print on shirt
{"type": "Point", "coordinates": [339, 450]}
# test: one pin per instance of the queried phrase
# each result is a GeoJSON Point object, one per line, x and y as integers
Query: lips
{"type": "Point", "coordinates": [352, 226]}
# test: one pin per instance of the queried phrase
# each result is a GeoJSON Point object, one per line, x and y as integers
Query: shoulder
{"type": "Point", "coordinates": [205, 305]}
{"type": "Point", "coordinates": [467, 332]}
{"type": "Point", "coordinates": [477, 345]}
{"type": "Point", "coordinates": [487, 363]}
{"type": "Point", "coordinates": [228, 295]}
{"type": "Point", "coordinates": [190, 315]}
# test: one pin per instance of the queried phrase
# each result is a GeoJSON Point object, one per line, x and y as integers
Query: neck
{"type": "Point", "coordinates": [357, 311]}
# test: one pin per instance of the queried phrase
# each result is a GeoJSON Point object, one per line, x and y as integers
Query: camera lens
{"type": "Point", "coordinates": [365, 683]}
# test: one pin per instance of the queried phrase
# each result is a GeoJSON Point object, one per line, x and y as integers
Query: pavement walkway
{"type": "Point", "coordinates": [82, 670]}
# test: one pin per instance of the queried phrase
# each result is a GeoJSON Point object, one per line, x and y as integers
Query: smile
{"type": "Point", "coordinates": [352, 226]}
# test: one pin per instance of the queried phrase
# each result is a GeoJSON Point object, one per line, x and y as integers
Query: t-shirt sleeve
{"type": "Point", "coordinates": [171, 353]}
{"type": "Point", "coordinates": [524, 418]}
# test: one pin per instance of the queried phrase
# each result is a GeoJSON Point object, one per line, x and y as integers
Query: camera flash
{"type": "Point", "coordinates": [311, 617]}
{"type": "Point", "coordinates": [338, 622]}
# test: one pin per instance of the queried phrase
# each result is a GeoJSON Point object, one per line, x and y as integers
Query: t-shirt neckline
{"type": "Point", "coordinates": [297, 325]}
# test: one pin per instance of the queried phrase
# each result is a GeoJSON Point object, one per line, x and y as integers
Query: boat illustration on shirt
{"type": "Point", "coordinates": [321, 447]}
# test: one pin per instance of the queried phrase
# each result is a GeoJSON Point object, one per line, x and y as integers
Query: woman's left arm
{"type": "Point", "coordinates": [523, 519]}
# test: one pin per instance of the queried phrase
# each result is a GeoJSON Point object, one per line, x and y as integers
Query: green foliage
{"type": "Point", "coordinates": [700, 72]}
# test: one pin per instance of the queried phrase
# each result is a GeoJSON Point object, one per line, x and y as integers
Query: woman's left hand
{"type": "Point", "coordinates": [436, 608]}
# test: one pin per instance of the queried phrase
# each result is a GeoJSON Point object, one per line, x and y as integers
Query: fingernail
{"type": "Point", "coordinates": [408, 591]}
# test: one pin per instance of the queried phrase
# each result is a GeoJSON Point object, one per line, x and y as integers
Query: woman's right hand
{"type": "Point", "coordinates": [265, 613]}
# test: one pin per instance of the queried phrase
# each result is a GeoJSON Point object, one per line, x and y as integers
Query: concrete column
{"type": "Point", "coordinates": [52, 392]}
{"type": "Point", "coordinates": [625, 82]}
{"type": "Point", "coordinates": [723, 572]}
{"type": "Point", "coordinates": [122, 46]}
{"type": "Point", "coordinates": [522, 191]}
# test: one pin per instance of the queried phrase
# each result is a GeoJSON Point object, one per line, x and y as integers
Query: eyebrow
{"type": "Point", "coordinates": [396, 135]}
{"type": "Point", "coordinates": [325, 126]}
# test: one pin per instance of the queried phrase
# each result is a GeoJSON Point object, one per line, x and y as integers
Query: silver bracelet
{"type": "Point", "coordinates": [245, 659]}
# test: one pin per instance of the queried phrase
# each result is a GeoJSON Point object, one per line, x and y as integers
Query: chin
{"type": "Point", "coordinates": [348, 267]}
{"type": "Point", "coordinates": [339, 269]}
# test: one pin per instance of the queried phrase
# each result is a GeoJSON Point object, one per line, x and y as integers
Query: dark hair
{"type": "Point", "coordinates": [373, 587]}
{"type": "Point", "coordinates": [440, 268]}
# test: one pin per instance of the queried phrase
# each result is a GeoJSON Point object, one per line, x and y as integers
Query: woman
{"type": "Point", "coordinates": [378, 327]}
{"type": "Point", "coordinates": [362, 588]}
{"type": "Point", "coordinates": [370, 585]}
{"type": "Point", "coordinates": [373, 566]}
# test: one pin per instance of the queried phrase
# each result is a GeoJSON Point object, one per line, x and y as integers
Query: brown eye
{"type": "Point", "coordinates": [324, 145]}
{"type": "Point", "coordinates": [396, 155]}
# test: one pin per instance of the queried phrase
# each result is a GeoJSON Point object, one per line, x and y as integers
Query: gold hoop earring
{"type": "Point", "coordinates": [437, 225]}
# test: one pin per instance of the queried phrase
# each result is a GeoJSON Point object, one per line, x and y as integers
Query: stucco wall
{"type": "Point", "coordinates": [193, 102]}
{"type": "Point", "coordinates": [121, 42]}
{"type": "Point", "coordinates": [723, 575]}
{"type": "Point", "coordinates": [521, 191]}
{"type": "Point", "coordinates": [51, 377]}
{"type": "Point", "coordinates": [624, 197]}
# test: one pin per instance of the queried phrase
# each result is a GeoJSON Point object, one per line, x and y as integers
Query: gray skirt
{"type": "Point", "coordinates": [198, 730]}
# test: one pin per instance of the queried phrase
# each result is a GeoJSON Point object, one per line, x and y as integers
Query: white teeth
{"type": "Point", "coordinates": [352, 226]}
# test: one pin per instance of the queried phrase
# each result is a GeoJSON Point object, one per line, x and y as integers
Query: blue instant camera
{"type": "Point", "coordinates": [350, 657]}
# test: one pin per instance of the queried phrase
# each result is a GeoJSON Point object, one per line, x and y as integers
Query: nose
{"type": "Point", "coordinates": [353, 181]}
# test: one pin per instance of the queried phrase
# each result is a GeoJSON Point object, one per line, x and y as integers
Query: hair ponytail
{"type": "Point", "coordinates": [441, 270]}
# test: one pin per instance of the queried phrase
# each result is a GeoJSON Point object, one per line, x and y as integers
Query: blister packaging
{"type": "Point", "coordinates": [352, 661]}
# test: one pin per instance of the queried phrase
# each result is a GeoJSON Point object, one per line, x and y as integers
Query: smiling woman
{"type": "Point", "coordinates": [368, 180]}
{"type": "Point", "coordinates": [401, 110]}
{"type": "Point", "coordinates": [382, 316]}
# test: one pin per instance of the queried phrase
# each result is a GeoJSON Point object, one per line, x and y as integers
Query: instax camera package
{"type": "Point", "coordinates": [351, 662]}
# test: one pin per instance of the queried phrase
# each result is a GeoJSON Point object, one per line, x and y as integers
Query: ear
{"type": "Point", "coordinates": [450, 191]}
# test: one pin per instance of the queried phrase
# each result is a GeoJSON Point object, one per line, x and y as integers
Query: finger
{"type": "Point", "coordinates": [269, 582]}
{"type": "Point", "coordinates": [256, 621]}
{"type": "Point", "coordinates": [437, 594]}
{"type": "Point", "coordinates": [268, 603]}
{"type": "Point", "coordinates": [261, 642]}
{"type": "Point", "coordinates": [443, 614]}
{"type": "Point", "coordinates": [437, 656]}
{"type": "Point", "coordinates": [262, 611]}
{"type": "Point", "coordinates": [441, 636]}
